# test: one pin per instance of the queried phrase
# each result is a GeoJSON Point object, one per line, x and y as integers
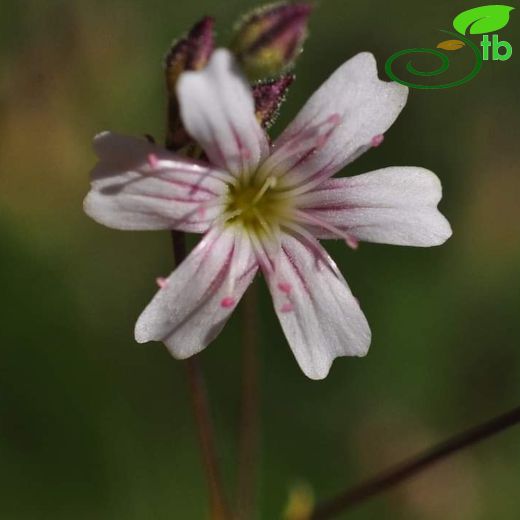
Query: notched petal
{"type": "Point", "coordinates": [218, 110]}
{"type": "Point", "coordinates": [396, 205]}
{"type": "Point", "coordinates": [319, 315]}
{"type": "Point", "coordinates": [138, 185]}
{"type": "Point", "coordinates": [365, 106]}
{"type": "Point", "coordinates": [199, 296]}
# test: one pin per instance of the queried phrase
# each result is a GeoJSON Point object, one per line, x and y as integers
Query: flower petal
{"type": "Point", "coordinates": [199, 296]}
{"type": "Point", "coordinates": [396, 205]}
{"type": "Point", "coordinates": [218, 110]}
{"type": "Point", "coordinates": [337, 124]}
{"type": "Point", "coordinates": [320, 317]}
{"type": "Point", "coordinates": [139, 185]}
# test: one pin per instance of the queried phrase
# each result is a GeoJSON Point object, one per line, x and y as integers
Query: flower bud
{"type": "Point", "coordinates": [269, 39]}
{"type": "Point", "coordinates": [269, 95]}
{"type": "Point", "coordinates": [189, 53]}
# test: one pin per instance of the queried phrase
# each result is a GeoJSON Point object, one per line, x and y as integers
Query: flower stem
{"type": "Point", "coordinates": [407, 469]}
{"type": "Point", "coordinates": [219, 510]}
{"type": "Point", "coordinates": [199, 399]}
{"type": "Point", "coordinates": [249, 416]}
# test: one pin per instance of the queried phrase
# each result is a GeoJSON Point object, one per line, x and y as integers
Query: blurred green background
{"type": "Point", "coordinates": [93, 425]}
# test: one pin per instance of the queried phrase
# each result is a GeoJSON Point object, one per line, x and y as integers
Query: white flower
{"type": "Point", "coordinates": [266, 206]}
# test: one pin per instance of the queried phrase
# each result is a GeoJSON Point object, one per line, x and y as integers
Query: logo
{"type": "Point", "coordinates": [478, 21]}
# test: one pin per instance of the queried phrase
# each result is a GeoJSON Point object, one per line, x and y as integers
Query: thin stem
{"type": "Point", "coordinates": [407, 469]}
{"type": "Point", "coordinates": [249, 417]}
{"type": "Point", "coordinates": [199, 399]}
{"type": "Point", "coordinates": [219, 509]}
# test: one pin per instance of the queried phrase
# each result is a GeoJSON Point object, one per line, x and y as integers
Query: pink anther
{"type": "Point", "coordinates": [161, 282]}
{"type": "Point", "coordinates": [227, 302]}
{"type": "Point", "coordinates": [334, 119]}
{"type": "Point", "coordinates": [352, 242]}
{"type": "Point", "coordinates": [285, 287]}
{"type": "Point", "coordinates": [377, 140]}
{"type": "Point", "coordinates": [152, 160]}
{"type": "Point", "coordinates": [287, 307]}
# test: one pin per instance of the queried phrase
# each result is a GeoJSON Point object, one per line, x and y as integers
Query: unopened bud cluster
{"type": "Point", "coordinates": [266, 44]}
{"type": "Point", "coordinates": [269, 39]}
{"type": "Point", "coordinates": [189, 53]}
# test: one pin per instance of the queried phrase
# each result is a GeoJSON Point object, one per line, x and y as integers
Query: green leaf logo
{"type": "Point", "coordinates": [481, 20]}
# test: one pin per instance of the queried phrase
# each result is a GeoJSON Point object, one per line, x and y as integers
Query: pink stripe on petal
{"type": "Point", "coordinates": [360, 105]}
{"type": "Point", "coordinates": [396, 205]}
{"type": "Point", "coordinates": [200, 295]}
{"type": "Point", "coordinates": [302, 145]}
{"type": "Point", "coordinates": [322, 320]}
{"type": "Point", "coordinates": [138, 185]}
{"type": "Point", "coordinates": [217, 109]}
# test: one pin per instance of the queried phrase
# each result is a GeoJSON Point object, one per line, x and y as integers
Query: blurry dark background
{"type": "Point", "coordinates": [93, 425]}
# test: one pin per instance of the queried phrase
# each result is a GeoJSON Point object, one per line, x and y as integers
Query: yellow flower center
{"type": "Point", "coordinates": [259, 207]}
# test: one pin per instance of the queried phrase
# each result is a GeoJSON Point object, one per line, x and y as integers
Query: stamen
{"type": "Point", "coordinates": [313, 245]}
{"type": "Point", "coordinates": [227, 302]}
{"type": "Point", "coordinates": [377, 140]}
{"type": "Point", "coordinates": [235, 262]}
{"type": "Point", "coordinates": [287, 307]}
{"type": "Point", "coordinates": [265, 258]}
{"type": "Point", "coordinates": [262, 221]}
{"type": "Point", "coordinates": [351, 241]}
{"type": "Point", "coordinates": [202, 208]}
{"type": "Point", "coordinates": [269, 183]}
{"type": "Point", "coordinates": [285, 287]}
{"type": "Point", "coordinates": [153, 161]}
{"type": "Point", "coordinates": [297, 187]}
{"type": "Point", "coordinates": [301, 145]}
{"type": "Point", "coordinates": [232, 214]}
{"type": "Point", "coordinates": [334, 119]}
{"type": "Point", "coordinates": [161, 282]}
